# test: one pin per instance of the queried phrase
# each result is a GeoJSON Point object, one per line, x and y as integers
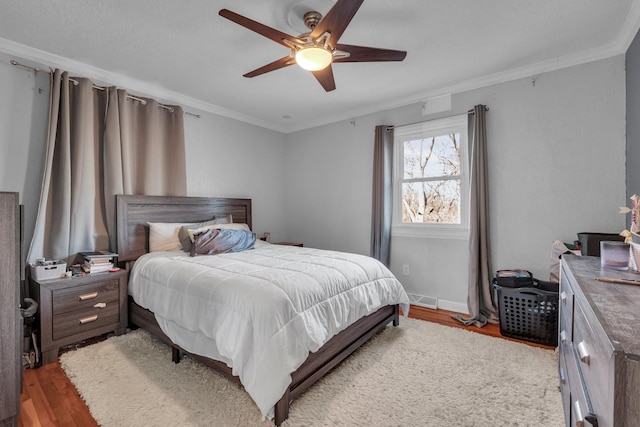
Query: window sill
{"type": "Point", "coordinates": [430, 232]}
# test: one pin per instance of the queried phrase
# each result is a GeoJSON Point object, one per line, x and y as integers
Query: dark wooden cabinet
{"type": "Point", "coordinates": [10, 319]}
{"type": "Point", "coordinates": [77, 308]}
{"type": "Point", "coordinates": [599, 348]}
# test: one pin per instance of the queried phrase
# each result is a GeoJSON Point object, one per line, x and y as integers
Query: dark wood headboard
{"type": "Point", "coordinates": [133, 213]}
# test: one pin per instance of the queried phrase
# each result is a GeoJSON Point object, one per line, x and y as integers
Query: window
{"type": "Point", "coordinates": [430, 179]}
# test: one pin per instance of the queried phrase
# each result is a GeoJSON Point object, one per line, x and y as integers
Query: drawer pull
{"type": "Point", "coordinates": [563, 297]}
{"type": "Point", "coordinates": [563, 377]}
{"type": "Point", "coordinates": [577, 411]}
{"type": "Point", "coordinates": [89, 319]}
{"type": "Point", "coordinates": [583, 353]}
{"type": "Point", "coordinates": [85, 297]}
{"type": "Point", "coordinates": [563, 336]}
{"type": "Point", "coordinates": [100, 305]}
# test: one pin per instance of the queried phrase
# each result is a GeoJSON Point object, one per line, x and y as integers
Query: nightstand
{"type": "Point", "coordinates": [288, 244]}
{"type": "Point", "coordinates": [77, 308]}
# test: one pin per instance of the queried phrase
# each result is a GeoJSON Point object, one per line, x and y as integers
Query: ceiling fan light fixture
{"type": "Point", "coordinates": [313, 58]}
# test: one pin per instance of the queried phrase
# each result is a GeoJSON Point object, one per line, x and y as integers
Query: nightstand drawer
{"type": "Point", "coordinates": [78, 321]}
{"type": "Point", "coordinates": [84, 297]}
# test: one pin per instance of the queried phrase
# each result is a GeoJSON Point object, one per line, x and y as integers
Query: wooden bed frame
{"type": "Point", "coordinates": [133, 213]}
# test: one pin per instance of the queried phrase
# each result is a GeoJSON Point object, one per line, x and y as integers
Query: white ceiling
{"type": "Point", "coordinates": [184, 52]}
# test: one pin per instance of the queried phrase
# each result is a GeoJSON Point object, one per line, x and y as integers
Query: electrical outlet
{"type": "Point", "coordinates": [405, 270]}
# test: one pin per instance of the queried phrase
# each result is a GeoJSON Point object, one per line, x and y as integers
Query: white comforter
{"type": "Point", "coordinates": [263, 310]}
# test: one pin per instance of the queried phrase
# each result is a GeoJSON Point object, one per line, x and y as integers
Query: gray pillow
{"type": "Point", "coordinates": [219, 241]}
{"type": "Point", "coordinates": [183, 235]}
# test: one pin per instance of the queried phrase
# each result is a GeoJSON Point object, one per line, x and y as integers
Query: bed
{"type": "Point", "coordinates": [336, 339]}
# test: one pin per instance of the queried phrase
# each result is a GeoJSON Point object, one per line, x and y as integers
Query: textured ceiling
{"type": "Point", "coordinates": [182, 51]}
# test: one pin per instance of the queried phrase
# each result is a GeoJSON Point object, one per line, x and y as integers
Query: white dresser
{"type": "Point", "coordinates": [599, 348]}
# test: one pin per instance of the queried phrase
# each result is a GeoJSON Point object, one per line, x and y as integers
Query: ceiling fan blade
{"type": "Point", "coordinates": [336, 20]}
{"type": "Point", "coordinates": [275, 65]}
{"type": "Point", "coordinates": [369, 54]}
{"type": "Point", "coordinates": [325, 77]}
{"type": "Point", "coordinates": [268, 32]}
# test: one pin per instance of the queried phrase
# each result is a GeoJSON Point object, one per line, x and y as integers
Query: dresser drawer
{"type": "Point", "coordinates": [565, 387]}
{"type": "Point", "coordinates": [84, 297]}
{"type": "Point", "coordinates": [595, 359]}
{"type": "Point", "coordinates": [74, 322]}
{"type": "Point", "coordinates": [565, 320]}
{"type": "Point", "coordinates": [566, 306]}
{"type": "Point", "coordinates": [579, 406]}
{"type": "Point", "coordinates": [564, 334]}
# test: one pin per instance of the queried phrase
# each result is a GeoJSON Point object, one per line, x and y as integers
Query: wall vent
{"type": "Point", "coordinates": [423, 301]}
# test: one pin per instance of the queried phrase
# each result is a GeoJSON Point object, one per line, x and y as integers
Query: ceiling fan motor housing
{"type": "Point", "coordinates": [311, 19]}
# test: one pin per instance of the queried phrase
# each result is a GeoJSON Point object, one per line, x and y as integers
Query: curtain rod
{"type": "Point", "coordinates": [472, 111]}
{"type": "Point", "coordinates": [388, 128]}
{"type": "Point", "coordinates": [17, 64]}
{"type": "Point", "coordinates": [134, 98]}
{"type": "Point", "coordinates": [75, 82]}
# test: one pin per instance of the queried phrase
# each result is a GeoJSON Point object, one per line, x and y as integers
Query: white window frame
{"type": "Point", "coordinates": [437, 127]}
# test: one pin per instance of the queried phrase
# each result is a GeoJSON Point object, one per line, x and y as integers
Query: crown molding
{"type": "Point", "coordinates": [554, 64]}
{"type": "Point", "coordinates": [39, 58]}
{"type": "Point", "coordinates": [630, 26]}
{"type": "Point", "coordinates": [44, 60]}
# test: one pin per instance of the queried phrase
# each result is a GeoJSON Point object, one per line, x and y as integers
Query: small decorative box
{"type": "Point", "coordinates": [48, 270]}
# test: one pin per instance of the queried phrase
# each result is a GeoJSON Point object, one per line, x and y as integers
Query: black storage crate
{"type": "Point", "coordinates": [529, 313]}
{"type": "Point", "coordinates": [514, 278]}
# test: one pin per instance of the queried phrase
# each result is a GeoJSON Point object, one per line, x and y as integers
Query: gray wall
{"type": "Point", "coordinates": [633, 124]}
{"type": "Point", "coordinates": [557, 153]}
{"type": "Point", "coordinates": [228, 158]}
{"type": "Point", "coordinates": [556, 150]}
{"type": "Point", "coordinates": [24, 106]}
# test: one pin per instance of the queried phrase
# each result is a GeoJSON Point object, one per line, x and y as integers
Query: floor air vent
{"type": "Point", "coordinates": [423, 301]}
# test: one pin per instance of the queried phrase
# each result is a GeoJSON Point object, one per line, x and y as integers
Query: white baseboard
{"type": "Point", "coordinates": [458, 307]}
{"type": "Point", "coordinates": [435, 303]}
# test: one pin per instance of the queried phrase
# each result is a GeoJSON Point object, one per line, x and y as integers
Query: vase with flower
{"type": "Point", "coordinates": [633, 234]}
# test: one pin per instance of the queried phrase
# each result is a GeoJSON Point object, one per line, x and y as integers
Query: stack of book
{"type": "Point", "coordinates": [98, 262]}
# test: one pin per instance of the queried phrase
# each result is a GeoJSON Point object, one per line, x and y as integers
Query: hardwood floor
{"type": "Point", "coordinates": [49, 399]}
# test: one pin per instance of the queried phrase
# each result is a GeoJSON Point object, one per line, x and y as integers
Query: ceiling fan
{"type": "Point", "coordinates": [319, 48]}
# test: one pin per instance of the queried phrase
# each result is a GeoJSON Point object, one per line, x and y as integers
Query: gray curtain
{"type": "Point", "coordinates": [482, 308]}
{"type": "Point", "coordinates": [144, 151]}
{"type": "Point", "coordinates": [82, 169]}
{"type": "Point", "coordinates": [382, 194]}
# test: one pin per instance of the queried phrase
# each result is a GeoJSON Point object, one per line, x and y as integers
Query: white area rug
{"type": "Point", "coordinates": [418, 374]}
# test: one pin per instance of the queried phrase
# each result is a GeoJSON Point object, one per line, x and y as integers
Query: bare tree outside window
{"type": "Point", "coordinates": [431, 180]}
{"type": "Point", "coordinates": [430, 188]}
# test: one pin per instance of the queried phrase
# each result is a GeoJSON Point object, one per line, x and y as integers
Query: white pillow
{"type": "Point", "coordinates": [163, 236]}
{"type": "Point", "coordinates": [234, 226]}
